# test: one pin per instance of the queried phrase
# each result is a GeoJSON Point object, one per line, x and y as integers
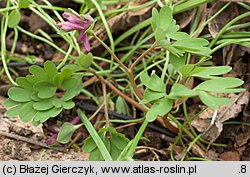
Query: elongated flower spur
{"type": "Point", "coordinates": [76, 23]}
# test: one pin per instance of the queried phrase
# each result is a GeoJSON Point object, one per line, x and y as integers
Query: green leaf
{"type": "Point", "coordinates": [160, 108]}
{"type": "Point", "coordinates": [43, 105]}
{"type": "Point", "coordinates": [178, 35]}
{"type": "Point", "coordinates": [212, 71]}
{"type": "Point", "coordinates": [62, 76]}
{"type": "Point", "coordinates": [69, 94]}
{"type": "Point", "coordinates": [177, 62]}
{"type": "Point", "coordinates": [19, 94]}
{"type": "Point", "coordinates": [155, 19]}
{"type": "Point", "coordinates": [187, 69]}
{"type": "Point", "coordinates": [33, 79]}
{"type": "Point", "coordinates": [193, 45]}
{"type": "Point", "coordinates": [89, 145]}
{"type": "Point", "coordinates": [24, 83]}
{"type": "Point", "coordinates": [66, 132]}
{"type": "Point", "coordinates": [34, 97]}
{"type": "Point", "coordinates": [99, 143]}
{"type": "Point", "coordinates": [23, 3]}
{"type": "Point", "coordinates": [35, 123]}
{"type": "Point", "coordinates": [114, 151]}
{"type": "Point", "coordinates": [150, 95]}
{"type": "Point", "coordinates": [84, 61]}
{"type": "Point", "coordinates": [50, 113]}
{"type": "Point", "coordinates": [57, 102]}
{"type": "Point", "coordinates": [41, 115]}
{"type": "Point", "coordinates": [10, 103]}
{"type": "Point", "coordinates": [31, 59]}
{"type": "Point", "coordinates": [122, 106]}
{"type": "Point", "coordinates": [68, 104]}
{"type": "Point", "coordinates": [213, 101]}
{"type": "Point", "coordinates": [50, 69]}
{"type": "Point", "coordinates": [164, 43]}
{"type": "Point", "coordinates": [95, 155]}
{"type": "Point", "coordinates": [166, 17]}
{"type": "Point", "coordinates": [27, 112]}
{"type": "Point", "coordinates": [45, 89]}
{"type": "Point", "coordinates": [73, 68]}
{"type": "Point", "coordinates": [179, 90]}
{"type": "Point", "coordinates": [69, 83]}
{"type": "Point", "coordinates": [153, 83]}
{"type": "Point", "coordinates": [38, 72]}
{"type": "Point", "coordinates": [14, 111]}
{"type": "Point", "coordinates": [159, 34]}
{"type": "Point", "coordinates": [221, 85]}
{"type": "Point", "coordinates": [14, 18]}
{"type": "Point", "coordinates": [119, 140]}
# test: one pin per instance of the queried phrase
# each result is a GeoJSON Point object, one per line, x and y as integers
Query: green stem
{"type": "Point", "coordinates": [111, 40]}
{"type": "Point", "coordinates": [224, 29]}
{"type": "Point", "coordinates": [4, 24]}
{"type": "Point", "coordinates": [137, 139]}
{"type": "Point", "coordinates": [189, 5]}
{"type": "Point", "coordinates": [14, 41]}
{"type": "Point", "coordinates": [111, 53]}
{"type": "Point", "coordinates": [65, 58]}
{"type": "Point", "coordinates": [210, 19]}
{"type": "Point", "coordinates": [8, 8]}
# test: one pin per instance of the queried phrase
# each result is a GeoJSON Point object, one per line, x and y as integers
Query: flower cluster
{"type": "Point", "coordinates": [76, 23]}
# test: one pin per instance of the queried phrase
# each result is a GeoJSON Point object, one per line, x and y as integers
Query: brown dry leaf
{"type": "Point", "coordinates": [203, 15]}
{"type": "Point", "coordinates": [242, 138]}
{"type": "Point", "coordinates": [140, 11]}
{"type": "Point", "coordinates": [212, 131]}
{"type": "Point", "coordinates": [212, 155]}
{"type": "Point", "coordinates": [183, 19]}
{"type": "Point", "coordinates": [221, 20]}
{"type": "Point", "coordinates": [121, 22]}
{"type": "Point", "coordinates": [198, 151]}
{"type": "Point", "coordinates": [230, 156]}
{"type": "Point", "coordinates": [228, 52]}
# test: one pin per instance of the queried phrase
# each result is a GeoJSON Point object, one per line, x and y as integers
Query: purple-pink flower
{"type": "Point", "coordinates": [76, 23]}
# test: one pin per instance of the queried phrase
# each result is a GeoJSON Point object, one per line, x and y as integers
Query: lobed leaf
{"type": "Point", "coordinates": [221, 85]}
{"type": "Point", "coordinates": [154, 83]}
{"type": "Point", "coordinates": [150, 96]}
{"type": "Point", "coordinates": [193, 45]}
{"type": "Point", "coordinates": [19, 94]}
{"type": "Point", "coordinates": [38, 72]}
{"type": "Point", "coordinates": [43, 105]}
{"type": "Point", "coordinates": [27, 112]}
{"type": "Point", "coordinates": [212, 71]}
{"type": "Point", "coordinates": [45, 89]}
{"type": "Point", "coordinates": [69, 83]}
{"type": "Point", "coordinates": [50, 69]}
{"type": "Point", "coordinates": [24, 83]}
{"type": "Point", "coordinates": [14, 111]}
{"type": "Point", "coordinates": [179, 90]}
{"type": "Point", "coordinates": [160, 108]}
{"type": "Point", "coordinates": [213, 101]}
{"type": "Point", "coordinates": [84, 61]}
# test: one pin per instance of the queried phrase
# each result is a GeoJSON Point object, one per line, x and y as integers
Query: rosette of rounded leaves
{"type": "Point", "coordinates": [43, 94]}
